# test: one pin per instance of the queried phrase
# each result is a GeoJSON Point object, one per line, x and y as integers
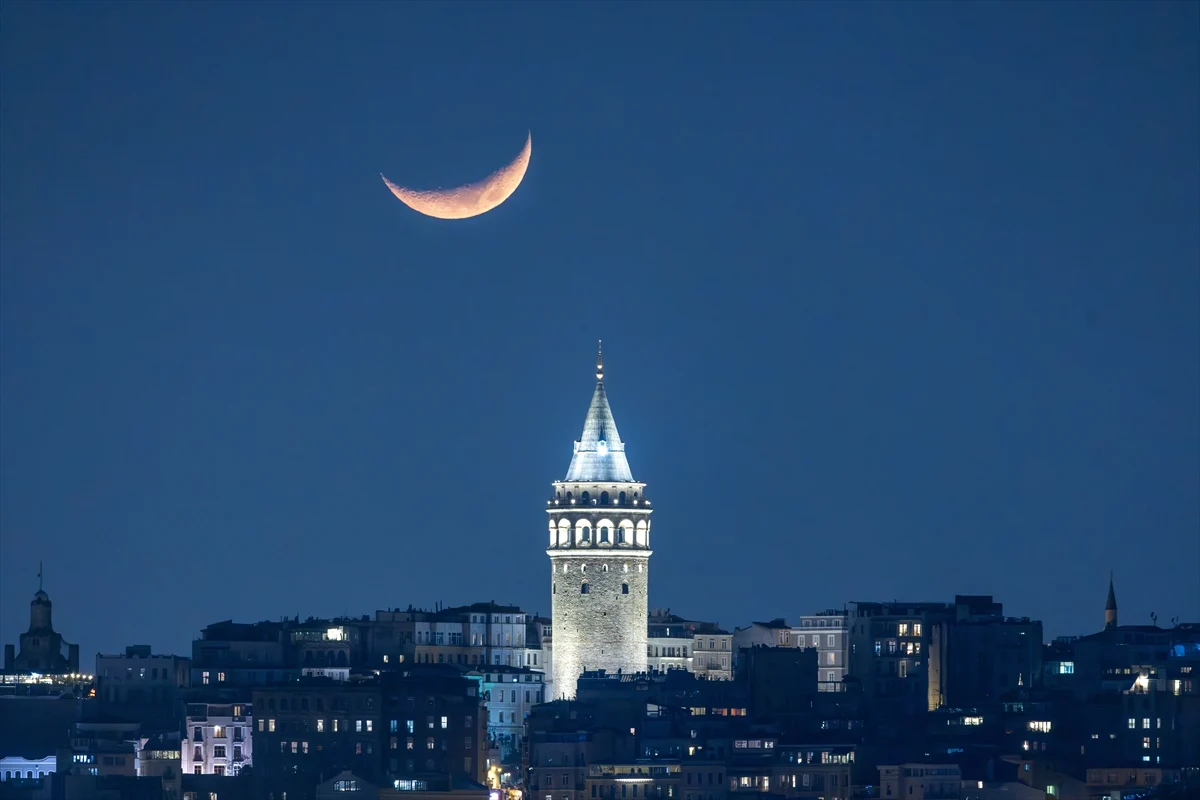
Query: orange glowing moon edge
{"type": "Point", "coordinates": [470, 200]}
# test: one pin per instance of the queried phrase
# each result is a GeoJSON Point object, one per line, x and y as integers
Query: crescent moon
{"type": "Point", "coordinates": [470, 200]}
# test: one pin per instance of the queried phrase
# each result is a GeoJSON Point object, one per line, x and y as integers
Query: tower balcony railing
{"type": "Point", "coordinates": [604, 547]}
{"type": "Point", "coordinates": [594, 502]}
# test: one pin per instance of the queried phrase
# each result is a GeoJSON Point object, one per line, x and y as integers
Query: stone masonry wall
{"type": "Point", "coordinates": [605, 628]}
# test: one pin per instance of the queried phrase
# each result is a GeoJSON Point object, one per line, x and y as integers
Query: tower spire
{"type": "Point", "coordinates": [39, 576]}
{"type": "Point", "coordinates": [599, 359]}
{"type": "Point", "coordinates": [1110, 606]}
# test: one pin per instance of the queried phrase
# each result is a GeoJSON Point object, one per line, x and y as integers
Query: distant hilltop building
{"type": "Point", "coordinates": [599, 556]}
{"type": "Point", "coordinates": [42, 649]}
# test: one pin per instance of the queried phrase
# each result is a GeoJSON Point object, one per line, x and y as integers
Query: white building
{"type": "Point", "coordinates": [217, 739]}
{"type": "Point", "coordinates": [14, 767]}
{"type": "Point", "coordinates": [669, 642]}
{"type": "Point", "coordinates": [827, 632]}
{"type": "Point", "coordinates": [712, 653]}
{"type": "Point", "coordinates": [509, 693]}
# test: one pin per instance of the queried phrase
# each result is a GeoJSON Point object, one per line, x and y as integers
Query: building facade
{"type": "Point", "coordinates": [669, 642]}
{"type": "Point", "coordinates": [509, 694]}
{"type": "Point", "coordinates": [218, 739]}
{"type": "Point", "coordinates": [712, 653]}
{"type": "Point", "coordinates": [599, 521]}
{"type": "Point", "coordinates": [141, 686]}
{"type": "Point", "coordinates": [825, 631]}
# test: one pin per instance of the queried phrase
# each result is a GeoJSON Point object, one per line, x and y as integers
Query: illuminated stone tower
{"type": "Point", "coordinates": [599, 555]}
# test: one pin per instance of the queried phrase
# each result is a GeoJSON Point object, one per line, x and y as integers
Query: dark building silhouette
{"type": "Point", "coordinates": [42, 649]}
{"type": "Point", "coordinates": [426, 724]}
{"type": "Point", "coordinates": [1110, 607]}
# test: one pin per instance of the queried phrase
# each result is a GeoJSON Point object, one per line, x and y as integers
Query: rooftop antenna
{"type": "Point", "coordinates": [39, 576]}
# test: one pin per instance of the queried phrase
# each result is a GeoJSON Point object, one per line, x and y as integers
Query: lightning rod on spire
{"type": "Point", "coordinates": [599, 359]}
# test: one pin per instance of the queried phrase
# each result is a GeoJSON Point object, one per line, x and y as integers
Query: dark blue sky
{"type": "Point", "coordinates": [898, 301]}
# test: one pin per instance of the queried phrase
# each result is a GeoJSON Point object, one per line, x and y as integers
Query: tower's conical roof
{"type": "Point", "coordinates": [1111, 603]}
{"type": "Point", "coordinates": [599, 453]}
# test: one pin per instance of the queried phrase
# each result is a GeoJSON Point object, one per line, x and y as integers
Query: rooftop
{"type": "Point", "coordinates": [599, 454]}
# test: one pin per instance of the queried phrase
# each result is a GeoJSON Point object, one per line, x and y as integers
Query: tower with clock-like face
{"type": "Point", "coordinates": [599, 556]}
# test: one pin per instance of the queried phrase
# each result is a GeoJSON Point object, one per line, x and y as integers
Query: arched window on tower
{"type": "Point", "coordinates": [554, 588]}
{"type": "Point", "coordinates": [620, 536]}
{"type": "Point", "coordinates": [604, 567]}
{"type": "Point", "coordinates": [604, 535]}
{"type": "Point", "coordinates": [569, 498]}
{"type": "Point", "coordinates": [583, 589]}
{"type": "Point", "coordinates": [621, 498]}
{"type": "Point", "coordinates": [624, 588]}
{"type": "Point", "coordinates": [604, 498]}
{"type": "Point", "coordinates": [585, 497]}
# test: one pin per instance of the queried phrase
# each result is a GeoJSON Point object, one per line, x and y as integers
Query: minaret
{"type": "Point", "coordinates": [599, 555]}
{"type": "Point", "coordinates": [1110, 607]}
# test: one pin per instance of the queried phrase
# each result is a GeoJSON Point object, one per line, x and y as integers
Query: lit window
{"type": "Point", "coordinates": [1145, 722]}
{"type": "Point", "coordinates": [335, 726]}
{"type": "Point", "coordinates": [445, 722]}
{"type": "Point", "coordinates": [220, 677]}
{"type": "Point", "coordinates": [429, 743]}
{"type": "Point", "coordinates": [1132, 722]}
{"type": "Point", "coordinates": [320, 726]}
{"type": "Point", "coordinates": [1039, 726]}
{"type": "Point", "coordinates": [204, 677]}
{"type": "Point", "coordinates": [904, 629]}
{"type": "Point", "coordinates": [358, 726]}
{"type": "Point", "coordinates": [271, 726]}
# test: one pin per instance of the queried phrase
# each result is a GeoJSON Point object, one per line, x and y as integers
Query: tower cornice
{"type": "Point", "coordinates": [593, 553]}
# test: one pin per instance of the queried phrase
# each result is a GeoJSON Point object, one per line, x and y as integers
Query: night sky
{"type": "Point", "coordinates": [898, 301]}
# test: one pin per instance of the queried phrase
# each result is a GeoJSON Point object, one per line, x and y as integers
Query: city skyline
{"type": "Point", "coordinates": [593, 426]}
{"type": "Point", "coordinates": [898, 301]}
